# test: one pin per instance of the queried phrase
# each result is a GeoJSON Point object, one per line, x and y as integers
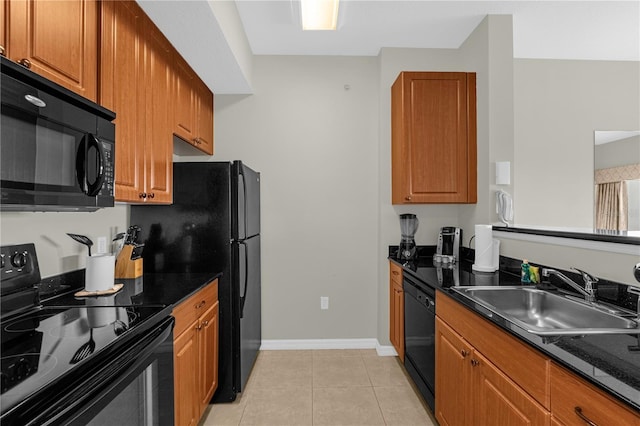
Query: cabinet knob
{"type": "Point", "coordinates": [584, 418]}
{"type": "Point", "coordinates": [475, 362]}
{"type": "Point", "coordinates": [396, 273]}
{"type": "Point", "coordinates": [3, 52]}
{"type": "Point", "coordinates": [408, 198]}
{"type": "Point", "coordinates": [205, 323]}
{"type": "Point", "coordinates": [142, 195]}
{"type": "Point", "coordinates": [25, 63]}
{"type": "Point", "coordinates": [199, 327]}
{"type": "Point", "coordinates": [152, 195]}
{"type": "Point", "coordinates": [464, 353]}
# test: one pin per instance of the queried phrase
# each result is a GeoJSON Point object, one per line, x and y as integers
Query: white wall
{"type": "Point", "coordinates": [315, 143]}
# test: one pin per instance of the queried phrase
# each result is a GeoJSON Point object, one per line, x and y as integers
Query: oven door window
{"type": "Point", "coordinates": [137, 404]}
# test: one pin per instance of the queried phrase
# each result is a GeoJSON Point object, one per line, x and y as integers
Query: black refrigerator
{"type": "Point", "coordinates": [213, 226]}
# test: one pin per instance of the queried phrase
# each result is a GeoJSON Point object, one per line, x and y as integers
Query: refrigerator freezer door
{"type": "Point", "coordinates": [248, 201]}
{"type": "Point", "coordinates": [247, 253]}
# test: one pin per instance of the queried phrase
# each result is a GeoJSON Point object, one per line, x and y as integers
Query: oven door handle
{"type": "Point", "coordinates": [76, 401]}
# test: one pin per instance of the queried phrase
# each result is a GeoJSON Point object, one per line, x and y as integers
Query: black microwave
{"type": "Point", "coordinates": [57, 149]}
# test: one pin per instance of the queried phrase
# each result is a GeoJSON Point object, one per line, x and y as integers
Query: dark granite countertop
{"type": "Point", "coordinates": [161, 289]}
{"type": "Point", "coordinates": [611, 362]}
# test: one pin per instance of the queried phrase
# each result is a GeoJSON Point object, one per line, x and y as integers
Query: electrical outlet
{"type": "Point", "coordinates": [102, 245]}
{"type": "Point", "coordinates": [324, 302]}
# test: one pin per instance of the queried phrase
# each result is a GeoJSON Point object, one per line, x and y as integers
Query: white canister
{"type": "Point", "coordinates": [100, 272]}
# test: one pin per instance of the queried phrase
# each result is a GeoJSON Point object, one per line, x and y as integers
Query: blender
{"type": "Point", "coordinates": [408, 228]}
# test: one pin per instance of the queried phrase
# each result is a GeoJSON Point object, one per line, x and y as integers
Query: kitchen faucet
{"type": "Point", "coordinates": [589, 290]}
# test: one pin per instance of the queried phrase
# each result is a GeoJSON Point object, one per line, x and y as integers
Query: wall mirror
{"type": "Point", "coordinates": [617, 181]}
{"type": "Point", "coordinates": [616, 186]}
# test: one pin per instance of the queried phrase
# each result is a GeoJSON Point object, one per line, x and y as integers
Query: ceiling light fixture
{"type": "Point", "coordinates": [319, 14]}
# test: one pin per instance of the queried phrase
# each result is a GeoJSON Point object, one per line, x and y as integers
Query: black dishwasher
{"type": "Point", "coordinates": [420, 336]}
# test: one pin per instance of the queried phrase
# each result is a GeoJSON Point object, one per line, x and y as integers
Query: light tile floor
{"type": "Point", "coordinates": [324, 387]}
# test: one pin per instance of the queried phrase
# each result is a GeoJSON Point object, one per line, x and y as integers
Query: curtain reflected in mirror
{"type": "Point", "coordinates": [617, 181]}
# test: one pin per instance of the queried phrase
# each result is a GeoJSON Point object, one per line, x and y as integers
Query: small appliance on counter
{"type": "Point", "coordinates": [408, 227]}
{"type": "Point", "coordinates": [487, 250]}
{"type": "Point", "coordinates": [129, 259]}
{"type": "Point", "coordinates": [448, 248]}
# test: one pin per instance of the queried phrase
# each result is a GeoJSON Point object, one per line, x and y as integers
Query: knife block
{"type": "Point", "coordinates": [125, 267]}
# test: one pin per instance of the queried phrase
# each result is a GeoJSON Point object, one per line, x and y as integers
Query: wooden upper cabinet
{"type": "Point", "coordinates": [185, 116]}
{"type": "Point", "coordinates": [159, 140]}
{"type": "Point", "coordinates": [193, 112]}
{"type": "Point", "coordinates": [136, 80]}
{"type": "Point", "coordinates": [122, 69]}
{"type": "Point", "coordinates": [3, 27]}
{"type": "Point", "coordinates": [205, 119]}
{"type": "Point", "coordinates": [433, 137]}
{"type": "Point", "coordinates": [56, 39]}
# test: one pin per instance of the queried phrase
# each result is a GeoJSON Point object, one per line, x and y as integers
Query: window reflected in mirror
{"type": "Point", "coordinates": [617, 180]}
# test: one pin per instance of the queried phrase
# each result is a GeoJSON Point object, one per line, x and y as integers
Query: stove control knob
{"type": "Point", "coordinates": [2, 260]}
{"type": "Point", "coordinates": [19, 259]}
{"type": "Point", "coordinates": [22, 369]}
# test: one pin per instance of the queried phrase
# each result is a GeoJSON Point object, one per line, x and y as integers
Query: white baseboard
{"type": "Point", "coordinates": [307, 344]}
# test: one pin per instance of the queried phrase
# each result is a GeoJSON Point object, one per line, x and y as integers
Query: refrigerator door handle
{"type": "Point", "coordinates": [246, 278]}
{"type": "Point", "coordinates": [244, 202]}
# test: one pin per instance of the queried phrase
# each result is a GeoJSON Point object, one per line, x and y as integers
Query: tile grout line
{"type": "Point", "coordinates": [373, 389]}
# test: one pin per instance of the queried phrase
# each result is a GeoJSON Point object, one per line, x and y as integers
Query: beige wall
{"type": "Point", "coordinates": [311, 130]}
{"type": "Point", "coordinates": [559, 104]}
{"type": "Point", "coordinates": [618, 153]}
{"type": "Point", "coordinates": [57, 252]}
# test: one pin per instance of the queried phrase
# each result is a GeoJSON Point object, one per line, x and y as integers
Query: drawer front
{"type": "Point", "coordinates": [192, 308]}
{"type": "Point", "coordinates": [574, 402]}
{"type": "Point", "coordinates": [522, 364]}
{"type": "Point", "coordinates": [395, 273]}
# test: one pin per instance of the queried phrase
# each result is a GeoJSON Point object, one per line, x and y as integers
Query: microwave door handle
{"type": "Point", "coordinates": [82, 165]}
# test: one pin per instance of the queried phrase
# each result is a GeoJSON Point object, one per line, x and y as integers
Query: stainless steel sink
{"type": "Point", "coordinates": [547, 314]}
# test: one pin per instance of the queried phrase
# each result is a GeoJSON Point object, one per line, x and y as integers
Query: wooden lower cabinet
{"type": "Point", "coordinates": [396, 309]}
{"type": "Point", "coordinates": [472, 390]}
{"type": "Point", "coordinates": [185, 350]}
{"type": "Point", "coordinates": [576, 402]}
{"type": "Point", "coordinates": [195, 349]}
{"type": "Point", "coordinates": [485, 376]}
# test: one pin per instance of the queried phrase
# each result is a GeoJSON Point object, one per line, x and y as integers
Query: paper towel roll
{"type": "Point", "coordinates": [484, 261]}
{"type": "Point", "coordinates": [100, 272]}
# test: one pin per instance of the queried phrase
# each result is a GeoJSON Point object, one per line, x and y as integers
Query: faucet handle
{"type": "Point", "coordinates": [588, 278]}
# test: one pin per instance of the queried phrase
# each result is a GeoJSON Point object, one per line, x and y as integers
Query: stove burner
{"type": "Point", "coordinates": [32, 322]}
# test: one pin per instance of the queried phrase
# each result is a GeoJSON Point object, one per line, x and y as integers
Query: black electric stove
{"type": "Point", "coordinates": [46, 349]}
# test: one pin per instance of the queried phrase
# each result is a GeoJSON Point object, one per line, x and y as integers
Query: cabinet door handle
{"type": "Point", "coordinates": [584, 418]}
{"type": "Point", "coordinates": [201, 304]}
{"type": "Point", "coordinates": [152, 195]}
{"type": "Point", "coordinates": [3, 52]}
{"type": "Point", "coordinates": [142, 195]}
{"type": "Point", "coordinates": [25, 63]}
{"type": "Point", "coordinates": [475, 362]}
{"type": "Point", "coordinates": [464, 353]}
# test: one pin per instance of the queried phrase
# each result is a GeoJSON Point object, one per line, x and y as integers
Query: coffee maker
{"type": "Point", "coordinates": [408, 227]}
{"type": "Point", "coordinates": [448, 248]}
